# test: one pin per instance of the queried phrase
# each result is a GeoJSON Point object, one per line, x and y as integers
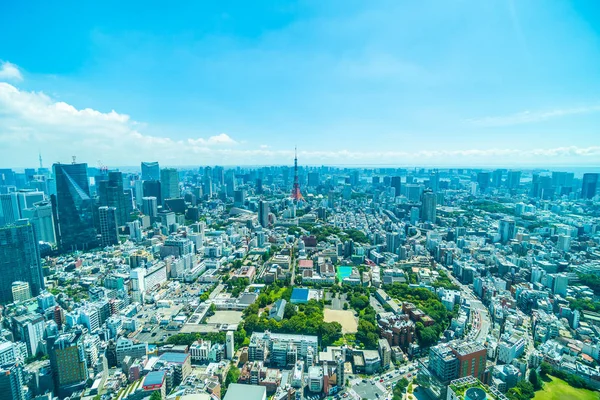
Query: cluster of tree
{"type": "Point", "coordinates": [356, 235]}
{"type": "Point", "coordinates": [204, 296]}
{"type": "Point", "coordinates": [368, 330]}
{"type": "Point", "coordinates": [535, 380]}
{"type": "Point", "coordinates": [430, 304]}
{"type": "Point", "coordinates": [308, 319]}
{"type": "Point", "coordinates": [272, 293]}
{"type": "Point", "coordinates": [523, 391]}
{"type": "Point", "coordinates": [400, 388]}
{"type": "Point", "coordinates": [237, 286]}
{"type": "Point", "coordinates": [443, 281]}
{"type": "Point", "coordinates": [493, 207]}
{"type": "Point", "coordinates": [574, 380]}
{"type": "Point", "coordinates": [233, 375]}
{"type": "Point", "coordinates": [585, 305]}
{"type": "Point", "coordinates": [592, 281]}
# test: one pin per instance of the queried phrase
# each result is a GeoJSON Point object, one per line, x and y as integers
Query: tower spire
{"type": "Point", "coordinates": [40, 157]}
{"type": "Point", "coordinates": [296, 195]}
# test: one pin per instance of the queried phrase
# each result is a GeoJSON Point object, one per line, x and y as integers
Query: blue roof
{"type": "Point", "coordinates": [177, 358]}
{"type": "Point", "coordinates": [299, 294]}
{"type": "Point", "coordinates": [154, 378]}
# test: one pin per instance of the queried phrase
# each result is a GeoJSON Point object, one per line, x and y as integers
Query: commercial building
{"type": "Point", "coordinates": [589, 185]}
{"type": "Point", "coordinates": [237, 391]}
{"type": "Point", "coordinates": [75, 207]}
{"type": "Point", "coordinates": [169, 181]}
{"type": "Point", "coordinates": [67, 359]}
{"type": "Point", "coordinates": [19, 259]}
{"type": "Point", "coordinates": [109, 233]}
{"type": "Point", "coordinates": [263, 213]}
{"type": "Point", "coordinates": [21, 291]}
{"type": "Point", "coordinates": [111, 194]}
{"type": "Point", "coordinates": [428, 206]}
{"type": "Point", "coordinates": [40, 216]}
{"type": "Point", "coordinates": [12, 382]}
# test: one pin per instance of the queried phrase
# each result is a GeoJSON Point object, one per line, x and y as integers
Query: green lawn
{"type": "Point", "coordinates": [560, 390]}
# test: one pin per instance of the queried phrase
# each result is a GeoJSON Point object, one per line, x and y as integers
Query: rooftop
{"type": "Point", "coordinates": [237, 391]}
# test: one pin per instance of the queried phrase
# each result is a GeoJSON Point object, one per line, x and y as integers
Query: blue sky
{"type": "Point", "coordinates": [350, 82]}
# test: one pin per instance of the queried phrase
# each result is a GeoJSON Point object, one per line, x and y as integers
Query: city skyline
{"type": "Point", "coordinates": [495, 84]}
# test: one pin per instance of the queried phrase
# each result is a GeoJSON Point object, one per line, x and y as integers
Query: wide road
{"type": "Point", "coordinates": [480, 315]}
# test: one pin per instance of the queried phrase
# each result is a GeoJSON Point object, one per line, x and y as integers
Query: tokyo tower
{"type": "Point", "coordinates": [296, 195]}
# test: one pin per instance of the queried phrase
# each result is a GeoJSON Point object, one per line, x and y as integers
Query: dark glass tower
{"type": "Point", "coordinates": [19, 259]}
{"type": "Point", "coordinates": [75, 208]}
{"type": "Point", "coordinates": [111, 194]}
{"type": "Point", "coordinates": [589, 185]}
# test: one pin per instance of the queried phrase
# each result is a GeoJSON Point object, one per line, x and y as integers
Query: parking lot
{"type": "Point", "coordinates": [369, 390]}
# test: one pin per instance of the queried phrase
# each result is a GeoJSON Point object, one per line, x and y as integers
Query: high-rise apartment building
{"type": "Point", "coordinates": [75, 207]}
{"type": "Point", "coordinates": [589, 185]}
{"type": "Point", "coordinates": [169, 181]}
{"type": "Point", "coordinates": [150, 171]}
{"type": "Point", "coordinates": [109, 233]}
{"type": "Point", "coordinates": [483, 179]}
{"type": "Point", "coordinates": [20, 291]}
{"type": "Point", "coordinates": [263, 213]}
{"type": "Point", "coordinates": [19, 259]}
{"type": "Point", "coordinates": [428, 206]}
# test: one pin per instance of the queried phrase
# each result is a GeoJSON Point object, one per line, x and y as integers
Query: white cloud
{"type": "Point", "coordinates": [10, 72]}
{"type": "Point", "coordinates": [32, 121]}
{"type": "Point", "coordinates": [526, 117]}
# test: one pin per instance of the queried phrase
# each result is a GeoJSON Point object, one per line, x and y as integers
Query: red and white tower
{"type": "Point", "coordinates": [296, 195]}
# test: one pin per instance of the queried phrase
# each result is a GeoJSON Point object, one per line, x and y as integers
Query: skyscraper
{"type": "Point", "coordinates": [67, 359]}
{"type": "Point", "coordinates": [12, 382]}
{"type": "Point", "coordinates": [109, 234]}
{"type": "Point", "coordinates": [75, 208]}
{"type": "Point", "coordinates": [40, 216]}
{"type": "Point", "coordinates": [9, 208]}
{"type": "Point", "coordinates": [483, 179]}
{"type": "Point", "coordinates": [263, 213]}
{"type": "Point", "coordinates": [507, 229]}
{"type": "Point", "coordinates": [27, 198]}
{"type": "Point", "coordinates": [150, 171]}
{"type": "Point", "coordinates": [396, 183]}
{"type": "Point", "coordinates": [169, 181]}
{"type": "Point", "coordinates": [589, 185]}
{"type": "Point", "coordinates": [149, 207]}
{"type": "Point", "coordinates": [513, 179]}
{"type": "Point", "coordinates": [153, 189]}
{"type": "Point", "coordinates": [111, 194]}
{"type": "Point", "coordinates": [428, 206]}
{"type": "Point", "coordinates": [19, 259]}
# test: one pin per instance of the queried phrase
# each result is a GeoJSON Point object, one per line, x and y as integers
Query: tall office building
{"type": "Point", "coordinates": [149, 207]}
{"type": "Point", "coordinates": [263, 213]}
{"type": "Point", "coordinates": [396, 183]}
{"type": "Point", "coordinates": [75, 208]}
{"type": "Point", "coordinates": [12, 382]}
{"type": "Point", "coordinates": [19, 259]}
{"type": "Point", "coordinates": [507, 228]}
{"type": "Point", "coordinates": [483, 179]}
{"type": "Point", "coordinates": [109, 233]}
{"type": "Point", "coordinates": [589, 185]}
{"type": "Point", "coordinates": [153, 189]}
{"type": "Point", "coordinates": [9, 208]}
{"type": "Point", "coordinates": [169, 181]}
{"type": "Point", "coordinates": [112, 194]}
{"type": "Point", "coordinates": [26, 198]}
{"type": "Point", "coordinates": [21, 291]}
{"type": "Point", "coordinates": [229, 345]}
{"type": "Point", "coordinates": [150, 171]}
{"type": "Point", "coordinates": [40, 216]}
{"type": "Point", "coordinates": [513, 179]}
{"type": "Point", "coordinates": [67, 360]}
{"type": "Point", "coordinates": [497, 178]}
{"type": "Point", "coordinates": [314, 179]}
{"type": "Point", "coordinates": [428, 206]}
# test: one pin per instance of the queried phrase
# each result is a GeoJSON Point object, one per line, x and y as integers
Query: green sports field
{"type": "Point", "coordinates": [558, 389]}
